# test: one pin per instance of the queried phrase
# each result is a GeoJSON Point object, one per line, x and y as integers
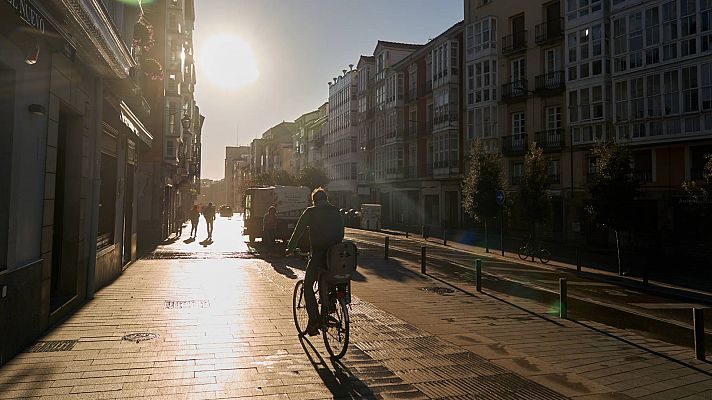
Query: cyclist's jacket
{"type": "Point", "coordinates": [325, 224]}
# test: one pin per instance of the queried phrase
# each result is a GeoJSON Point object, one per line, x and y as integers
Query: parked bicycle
{"type": "Point", "coordinates": [531, 250]}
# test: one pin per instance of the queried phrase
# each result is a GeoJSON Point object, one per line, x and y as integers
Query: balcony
{"type": "Point", "coordinates": [515, 91]}
{"type": "Point", "coordinates": [514, 145]}
{"type": "Point", "coordinates": [643, 176]}
{"type": "Point", "coordinates": [549, 31]}
{"type": "Point", "coordinates": [412, 94]}
{"type": "Point", "coordinates": [514, 42]}
{"type": "Point", "coordinates": [550, 83]}
{"type": "Point", "coordinates": [413, 131]}
{"type": "Point", "coordinates": [697, 174]}
{"type": "Point", "coordinates": [550, 140]}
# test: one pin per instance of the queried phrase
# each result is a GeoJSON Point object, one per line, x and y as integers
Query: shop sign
{"type": "Point", "coordinates": [29, 13]}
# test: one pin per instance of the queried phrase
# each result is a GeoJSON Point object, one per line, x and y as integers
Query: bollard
{"type": "Point", "coordinates": [478, 274]}
{"type": "Point", "coordinates": [578, 260]}
{"type": "Point", "coordinates": [444, 237]}
{"type": "Point", "coordinates": [563, 302]}
{"type": "Point", "coordinates": [699, 324]}
{"type": "Point", "coordinates": [422, 260]}
{"type": "Point", "coordinates": [406, 233]}
{"type": "Point", "coordinates": [385, 253]}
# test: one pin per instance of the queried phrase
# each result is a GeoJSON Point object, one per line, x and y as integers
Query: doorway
{"type": "Point", "coordinates": [65, 235]}
{"type": "Point", "coordinates": [128, 215]}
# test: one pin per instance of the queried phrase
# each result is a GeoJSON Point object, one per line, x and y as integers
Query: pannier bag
{"type": "Point", "coordinates": [341, 262]}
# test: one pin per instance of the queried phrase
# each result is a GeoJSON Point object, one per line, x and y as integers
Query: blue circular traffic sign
{"type": "Point", "coordinates": [500, 197]}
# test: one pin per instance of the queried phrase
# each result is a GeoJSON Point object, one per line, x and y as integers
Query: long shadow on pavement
{"type": "Point", "coordinates": [340, 382]}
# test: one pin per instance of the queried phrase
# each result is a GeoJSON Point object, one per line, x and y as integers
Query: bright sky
{"type": "Point", "coordinates": [261, 62]}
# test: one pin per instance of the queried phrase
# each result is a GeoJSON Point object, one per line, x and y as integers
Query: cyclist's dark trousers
{"type": "Point", "coordinates": [315, 265]}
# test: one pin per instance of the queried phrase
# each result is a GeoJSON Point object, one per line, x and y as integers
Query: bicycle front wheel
{"type": "Point", "coordinates": [336, 330]}
{"type": "Point", "coordinates": [544, 256]}
{"type": "Point", "coordinates": [523, 252]}
{"type": "Point", "coordinates": [299, 308]}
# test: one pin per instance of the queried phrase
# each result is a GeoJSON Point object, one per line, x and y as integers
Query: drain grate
{"type": "Point", "coordinates": [140, 337]}
{"type": "Point", "coordinates": [52, 346]}
{"type": "Point", "coordinates": [437, 289]}
{"type": "Point", "coordinates": [183, 304]}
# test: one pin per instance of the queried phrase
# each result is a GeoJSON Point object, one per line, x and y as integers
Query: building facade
{"type": "Point", "coordinates": [74, 140]}
{"type": "Point", "coordinates": [235, 160]}
{"type": "Point", "coordinates": [340, 144]}
{"type": "Point", "coordinates": [171, 170]}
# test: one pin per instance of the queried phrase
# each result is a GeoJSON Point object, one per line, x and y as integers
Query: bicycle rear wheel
{"type": "Point", "coordinates": [524, 252]}
{"type": "Point", "coordinates": [299, 308]}
{"type": "Point", "coordinates": [336, 330]}
{"type": "Point", "coordinates": [544, 256]}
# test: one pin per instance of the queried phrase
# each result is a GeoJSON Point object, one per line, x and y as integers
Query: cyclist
{"type": "Point", "coordinates": [326, 228]}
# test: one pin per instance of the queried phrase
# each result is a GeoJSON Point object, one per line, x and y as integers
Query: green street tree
{"type": "Point", "coordinates": [534, 198]}
{"type": "Point", "coordinates": [613, 189]}
{"type": "Point", "coordinates": [480, 184]}
{"type": "Point", "coordinates": [313, 177]}
{"type": "Point", "coordinates": [283, 178]}
{"type": "Point", "coordinates": [701, 192]}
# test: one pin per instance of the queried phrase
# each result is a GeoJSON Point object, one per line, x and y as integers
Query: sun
{"type": "Point", "coordinates": [227, 62]}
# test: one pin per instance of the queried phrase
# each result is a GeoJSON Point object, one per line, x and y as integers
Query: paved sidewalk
{"type": "Point", "coordinates": [580, 359]}
{"type": "Point", "coordinates": [225, 330]}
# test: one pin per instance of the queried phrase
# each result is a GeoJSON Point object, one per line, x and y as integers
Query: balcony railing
{"type": "Point", "coordinates": [550, 82]}
{"type": "Point", "coordinates": [549, 31]}
{"type": "Point", "coordinates": [697, 174]}
{"type": "Point", "coordinates": [515, 90]}
{"type": "Point", "coordinates": [550, 140]}
{"type": "Point", "coordinates": [643, 176]}
{"type": "Point", "coordinates": [515, 41]}
{"type": "Point", "coordinates": [514, 144]}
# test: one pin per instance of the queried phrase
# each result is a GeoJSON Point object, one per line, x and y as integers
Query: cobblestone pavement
{"type": "Point", "coordinates": [222, 328]}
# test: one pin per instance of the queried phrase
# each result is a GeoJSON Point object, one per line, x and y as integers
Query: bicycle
{"type": "Point", "coordinates": [528, 250]}
{"type": "Point", "coordinates": [334, 310]}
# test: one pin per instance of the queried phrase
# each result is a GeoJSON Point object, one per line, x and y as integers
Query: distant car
{"type": "Point", "coordinates": [226, 211]}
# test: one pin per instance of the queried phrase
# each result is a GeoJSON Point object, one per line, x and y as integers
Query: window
{"type": "Point", "coordinates": [635, 40]}
{"type": "Point", "coordinates": [707, 86]}
{"type": "Point", "coordinates": [470, 84]}
{"type": "Point", "coordinates": [552, 60]}
{"type": "Point", "coordinates": [671, 92]}
{"type": "Point", "coordinates": [485, 122]}
{"type": "Point", "coordinates": [485, 80]}
{"type": "Point", "coordinates": [652, 27]}
{"type": "Point", "coordinates": [519, 70]}
{"type": "Point", "coordinates": [637, 104]}
{"type": "Point", "coordinates": [597, 101]}
{"type": "Point", "coordinates": [484, 34]}
{"type": "Point", "coordinates": [690, 96]}
{"type": "Point", "coordinates": [573, 106]}
{"type": "Point", "coordinates": [653, 94]}
{"type": "Point", "coordinates": [553, 118]}
{"type": "Point", "coordinates": [517, 172]}
{"type": "Point", "coordinates": [621, 89]}
{"type": "Point", "coordinates": [584, 104]}
{"type": "Point", "coordinates": [518, 124]}
{"type": "Point", "coordinates": [554, 171]}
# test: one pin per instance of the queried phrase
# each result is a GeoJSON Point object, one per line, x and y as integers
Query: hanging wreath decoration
{"type": "Point", "coordinates": [143, 34]}
{"type": "Point", "coordinates": [152, 69]}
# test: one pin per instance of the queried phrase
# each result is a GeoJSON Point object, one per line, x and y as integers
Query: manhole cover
{"type": "Point", "coordinates": [437, 289]}
{"type": "Point", "coordinates": [51, 346]}
{"type": "Point", "coordinates": [182, 304]}
{"type": "Point", "coordinates": [140, 337]}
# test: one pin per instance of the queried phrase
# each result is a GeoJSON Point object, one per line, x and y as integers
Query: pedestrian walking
{"type": "Point", "coordinates": [194, 220]}
{"type": "Point", "coordinates": [209, 214]}
{"type": "Point", "coordinates": [269, 226]}
{"type": "Point", "coordinates": [179, 219]}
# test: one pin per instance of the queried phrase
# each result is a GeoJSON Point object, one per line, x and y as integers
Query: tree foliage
{"type": "Point", "coordinates": [312, 177]}
{"type": "Point", "coordinates": [482, 180]}
{"type": "Point", "coordinates": [701, 192]}
{"type": "Point", "coordinates": [534, 198]}
{"type": "Point", "coordinates": [613, 188]}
